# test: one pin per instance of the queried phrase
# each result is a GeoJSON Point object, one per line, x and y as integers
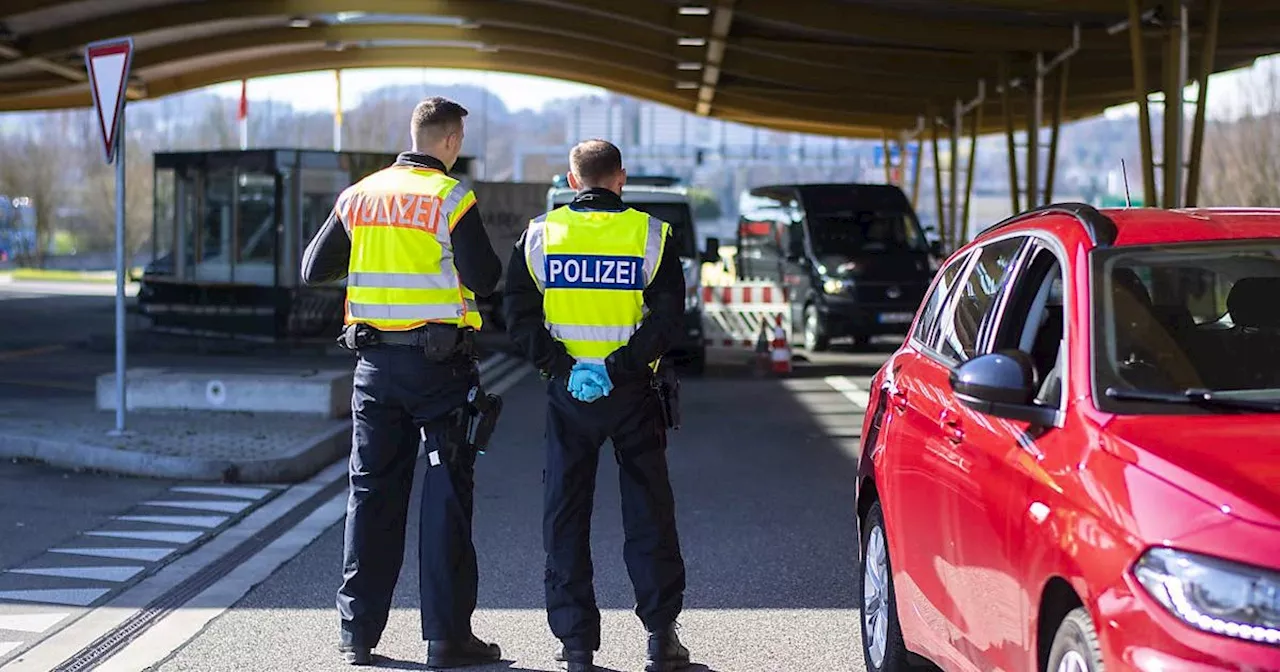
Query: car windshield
{"type": "Point", "coordinates": [866, 231]}
{"type": "Point", "coordinates": [680, 217]}
{"type": "Point", "coordinates": [1182, 321]}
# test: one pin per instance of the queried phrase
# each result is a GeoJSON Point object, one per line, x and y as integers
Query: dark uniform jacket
{"type": "Point", "coordinates": [327, 257]}
{"type": "Point", "coordinates": [660, 330]}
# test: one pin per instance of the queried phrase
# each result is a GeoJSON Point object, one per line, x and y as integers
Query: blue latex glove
{"type": "Point", "coordinates": [577, 378]}
{"type": "Point", "coordinates": [590, 392]}
{"type": "Point", "coordinates": [589, 382]}
{"type": "Point", "coordinates": [600, 376]}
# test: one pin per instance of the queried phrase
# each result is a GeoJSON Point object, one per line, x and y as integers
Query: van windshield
{"type": "Point", "coordinates": [867, 231]}
{"type": "Point", "coordinates": [680, 217]}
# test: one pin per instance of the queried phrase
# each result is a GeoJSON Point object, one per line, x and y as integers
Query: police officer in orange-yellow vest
{"type": "Point", "coordinates": [411, 245]}
{"type": "Point", "coordinates": [595, 298]}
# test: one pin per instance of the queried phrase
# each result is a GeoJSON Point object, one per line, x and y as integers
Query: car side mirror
{"type": "Point", "coordinates": [1001, 384]}
{"type": "Point", "coordinates": [712, 254]}
{"type": "Point", "coordinates": [936, 248]}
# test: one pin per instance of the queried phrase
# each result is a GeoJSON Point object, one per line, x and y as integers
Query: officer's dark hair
{"type": "Point", "coordinates": [595, 160]}
{"type": "Point", "coordinates": [436, 117]}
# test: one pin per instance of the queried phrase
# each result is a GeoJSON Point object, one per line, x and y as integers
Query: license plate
{"type": "Point", "coordinates": [896, 318]}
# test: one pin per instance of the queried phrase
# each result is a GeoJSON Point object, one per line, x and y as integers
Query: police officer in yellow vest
{"type": "Point", "coordinates": [411, 245]}
{"type": "Point", "coordinates": [595, 297]}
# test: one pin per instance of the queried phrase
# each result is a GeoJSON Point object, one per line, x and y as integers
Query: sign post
{"type": "Point", "coordinates": [108, 64]}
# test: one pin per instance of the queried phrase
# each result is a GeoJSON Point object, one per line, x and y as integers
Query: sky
{"type": "Point", "coordinates": [306, 90]}
{"type": "Point", "coordinates": [317, 90]}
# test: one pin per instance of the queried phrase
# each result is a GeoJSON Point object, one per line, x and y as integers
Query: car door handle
{"type": "Point", "coordinates": [898, 399]}
{"type": "Point", "coordinates": [951, 427]}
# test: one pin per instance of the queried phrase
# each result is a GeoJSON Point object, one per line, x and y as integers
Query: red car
{"type": "Point", "coordinates": [1073, 462]}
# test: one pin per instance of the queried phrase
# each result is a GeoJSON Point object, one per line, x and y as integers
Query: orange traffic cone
{"type": "Point", "coordinates": [781, 349]}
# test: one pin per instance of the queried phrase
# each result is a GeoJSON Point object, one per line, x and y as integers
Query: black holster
{"type": "Point", "coordinates": [666, 384]}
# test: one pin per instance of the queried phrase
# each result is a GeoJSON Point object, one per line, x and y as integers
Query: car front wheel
{"type": "Point", "coordinates": [1075, 647]}
{"type": "Point", "coordinates": [882, 645]}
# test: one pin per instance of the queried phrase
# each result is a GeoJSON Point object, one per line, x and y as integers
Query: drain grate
{"type": "Point", "coordinates": [122, 635]}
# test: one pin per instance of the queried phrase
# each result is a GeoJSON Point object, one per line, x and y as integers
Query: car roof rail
{"type": "Point", "coordinates": [1101, 228]}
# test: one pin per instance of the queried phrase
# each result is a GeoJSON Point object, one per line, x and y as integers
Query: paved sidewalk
{"type": "Point", "coordinates": [232, 447]}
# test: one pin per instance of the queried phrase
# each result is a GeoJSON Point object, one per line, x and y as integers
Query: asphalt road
{"type": "Point", "coordinates": [763, 473]}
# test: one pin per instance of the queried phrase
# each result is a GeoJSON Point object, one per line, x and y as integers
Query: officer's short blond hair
{"type": "Point", "coordinates": [595, 161]}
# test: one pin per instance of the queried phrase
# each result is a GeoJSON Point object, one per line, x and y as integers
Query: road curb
{"type": "Point", "coordinates": [304, 461]}
{"type": "Point", "coordinates": [307, 459]}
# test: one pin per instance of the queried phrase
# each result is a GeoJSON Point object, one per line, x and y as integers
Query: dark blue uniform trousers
{"type": "Point", "coordinates": [397, 395]}
{"type": "Point", "coordinates": [576, 431]}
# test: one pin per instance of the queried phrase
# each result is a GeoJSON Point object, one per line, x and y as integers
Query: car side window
{"type": "Point", "coordinates": [975, 298]}
{"type": "Point", "coordinates": [1033, 321]}
{"type": "Point", "coordinates": [927, 327]}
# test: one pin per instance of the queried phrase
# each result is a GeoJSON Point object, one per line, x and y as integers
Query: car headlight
{"type": "Point", "coordinates": [1214, 595]}
{"type": "Point", "coordinates": [836, 285]}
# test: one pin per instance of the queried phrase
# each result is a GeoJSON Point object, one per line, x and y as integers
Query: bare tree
{"type": "Point", "coordinates": [1241, 165]}
{"type": "Point", "coordinates": [33, 164]}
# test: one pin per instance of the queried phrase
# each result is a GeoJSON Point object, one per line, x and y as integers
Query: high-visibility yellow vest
{"type": "Point", "coordinates": [592, 268]}
{"type": "Point", "coordinates": [401, 275]}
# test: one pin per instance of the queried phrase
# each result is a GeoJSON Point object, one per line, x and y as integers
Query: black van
{"type": "Point", "coordinates": [854, 256]}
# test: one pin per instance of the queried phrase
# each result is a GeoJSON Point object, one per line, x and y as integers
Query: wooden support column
{"type": "Point", "coordinates": [1059, 110]}
{"type": "Point", "coordinates": [1014, 191]}
{"type": "Point", "coordinates": [1208, 49]}
{"type": "Point", "coordinates": [968, 177]}
{"type": "Point", "coordinates": [915, 174]}
{"type": "Point", "coordinates": [884, 141]}
{"type": "Point", "coordinates": [953, 177]}
{"type": "Point", "coordinates": [1174, 83]}
{"type": "Point", "coordinates": [937, 177]}
{"type": "Point", "coordinates": [1140, 92]}
{"type": "Point", "coordinates": [1035, 119]}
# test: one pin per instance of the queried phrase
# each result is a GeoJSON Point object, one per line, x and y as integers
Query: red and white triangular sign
{"type": "Point", "coordinates": [108, 63]}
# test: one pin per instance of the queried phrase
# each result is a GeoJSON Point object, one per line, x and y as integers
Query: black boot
{"type": "Point", "coordinates": [576, 661]}
{"type": "Point", "coordinates": [357, 655]}
{"type": "Point", "coordinates": [473, 651]}
{"type": "Point", "coordinates": [666, 653]}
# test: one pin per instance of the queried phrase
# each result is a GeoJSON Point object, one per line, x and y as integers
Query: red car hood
{"type": "Point", "coordinates": [1229, 460]}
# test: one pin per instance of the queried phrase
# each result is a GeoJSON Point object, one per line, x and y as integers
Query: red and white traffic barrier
{"type": "Point", "coordinates": [733, 315]}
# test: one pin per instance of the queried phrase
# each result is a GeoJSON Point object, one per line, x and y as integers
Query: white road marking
{"type": "Point", "coordinates": [224, 506]}
{"type": "Point", "coordinates": [79, 597]}
{"type": "Point", "coordinates": [177, 537]}
{"type": "Point", "coordinates": [860, 397]}
{"type": "Point", "coordinates": [207, 522]}
{"type": "Point", "coordinates": [189, 620]}
{"type": "Point", "coordinates": [53, 651]}
{"type": "Point", "coordinates": [134, 553]}
{"type": "Point", "coordinates": [114, 574]}
{"type": "Point", "coordinates": [6, 647]}
{"type": "Point", "coordinates": [30, 622]}
{"type": "Point", "coordinates": [242, 493]}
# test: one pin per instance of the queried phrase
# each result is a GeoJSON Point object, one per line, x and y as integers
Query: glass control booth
{"type": "Point", "coordinates": [230, 228]}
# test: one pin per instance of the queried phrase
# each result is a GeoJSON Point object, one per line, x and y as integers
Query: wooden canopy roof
{"type": "Point", "coordinates": [843, 67]}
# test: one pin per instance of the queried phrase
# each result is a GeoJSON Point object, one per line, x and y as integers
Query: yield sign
{"type": "Point", "coordinates": [108, 64]}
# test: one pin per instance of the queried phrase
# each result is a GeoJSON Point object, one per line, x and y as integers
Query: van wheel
{"type": "Point", "coordinates": [882, 645]}
{"type": "Point", "coordinates": [1075, 647]}
{"type": "Point", "coordinates": [815, 334]}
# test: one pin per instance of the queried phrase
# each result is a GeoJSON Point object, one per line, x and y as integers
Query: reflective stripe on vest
{"type": "Point", "coordinates": [401, 273]}
{"type": "Point", "coordinates": [592, 268]}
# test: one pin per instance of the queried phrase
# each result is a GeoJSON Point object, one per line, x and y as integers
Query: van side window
{"type": "Point", "coordinates": [927, 327]}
